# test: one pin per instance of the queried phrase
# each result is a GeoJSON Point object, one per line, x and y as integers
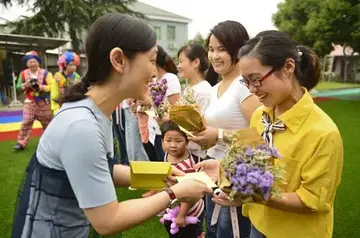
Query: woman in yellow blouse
{"type": "Point", "coordinates": [280, 74]}
{"type": "Point", "coordinates": [66, 77]}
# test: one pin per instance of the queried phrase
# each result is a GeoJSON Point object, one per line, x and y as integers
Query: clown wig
{"type": "Point", "coordinates": [66, 58]}
{"type": "Point", "coordinates": [31, 55]}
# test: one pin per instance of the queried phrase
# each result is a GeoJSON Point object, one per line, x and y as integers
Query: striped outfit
{"type": "Point", "coordinates": [187, 165]}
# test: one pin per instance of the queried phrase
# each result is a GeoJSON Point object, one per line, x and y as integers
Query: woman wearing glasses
{"type": "Point", "coordinates": [231, 107]}
{"type": "Point", "coordinates": [281, 74]}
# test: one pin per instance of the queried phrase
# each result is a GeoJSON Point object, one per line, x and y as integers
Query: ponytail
{"type": "Point", "coordinates": [75, 92]}
{"type": "Point", "coordinates": [164, 61]}
{"type": "Point", "coordinates": [169, 65]}
{"type": "Point", "coordinates": [308, 68]}
{"type": "Point", "coordinates": [211, 76]}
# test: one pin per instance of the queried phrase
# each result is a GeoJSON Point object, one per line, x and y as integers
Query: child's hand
{"type": "Point", "coordinates": [163, 119]}
{"type": "Point", "coordinates": [180, 220]}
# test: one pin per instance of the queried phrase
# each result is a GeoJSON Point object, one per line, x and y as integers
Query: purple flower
{"type": "Point", "coordinates": [242, 180]}
{"type": "Point", "coordinates": [158, 91]}
{"type": "Point", "coordinates": [241, 169]}
{"type": "Point", "coordinates": [249, 152]}
{"type": "Point", "coordinates": [249, 172]}
{"type": "Point", "coordinates": [253, 177]}
{"type": "Point", "coordinates": [249, 190]}
{"type": "Point", "coordinates": [262, 147]}
{"type": "Point", "coordinates": [275, 153]}
{"type": "Point", "coordinates": [266, 180]}
{"type": "Point", "coordinates": [266, 195]}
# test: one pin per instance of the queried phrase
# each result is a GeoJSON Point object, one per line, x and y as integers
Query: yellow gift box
{"type": "Point", "coordinates": [149, 175]}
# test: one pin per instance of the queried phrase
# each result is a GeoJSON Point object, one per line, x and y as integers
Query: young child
{"type": "Point", "coordinates": [174, 142]}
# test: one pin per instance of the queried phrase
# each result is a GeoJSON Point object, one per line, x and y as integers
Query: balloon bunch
{"type": "Point", "coordinates": [171, 215]}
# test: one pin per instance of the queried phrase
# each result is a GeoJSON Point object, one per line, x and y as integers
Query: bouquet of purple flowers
{"type": "Point", "coordinates": [248, 171]}
{"type": "Point", "coordinates": [157, 92]}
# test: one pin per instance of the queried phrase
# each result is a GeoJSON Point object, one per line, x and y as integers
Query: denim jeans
{"type": "Point", "coordinates": [223, 228]}
{"type": "Point", "coordinates": [254, 233]}
{"type": "Point", "coordinates": [134, 146]}
{"type": "Point", "coordinates": [119, 131]}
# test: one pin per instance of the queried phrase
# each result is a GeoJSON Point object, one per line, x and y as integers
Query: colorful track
{"type": "Point", "coordinates": [10, 122]}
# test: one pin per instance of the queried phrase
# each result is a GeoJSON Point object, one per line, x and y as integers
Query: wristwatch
{"type": "Point", "coordinates": [220, 134]}
{"type": "Point", "coordinates": [174, 202]}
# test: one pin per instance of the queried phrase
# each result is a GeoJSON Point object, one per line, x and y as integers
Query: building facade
{"type": "Point", "coordinates": [171, 29]}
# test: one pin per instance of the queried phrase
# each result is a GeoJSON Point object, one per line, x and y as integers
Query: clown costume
{"type": "Point", "coordinates": [35, 82]}
{"type": "Point", "coordinates": [66, 77]}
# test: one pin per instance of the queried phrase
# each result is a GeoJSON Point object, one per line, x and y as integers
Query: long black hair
{"type": "Point", "coordinates": [164, 61]}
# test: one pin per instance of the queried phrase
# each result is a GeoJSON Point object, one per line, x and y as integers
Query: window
{"type": "Point", "coordinates": [171, 33]}
{"type": "Point", "coordinates": [157, 30]}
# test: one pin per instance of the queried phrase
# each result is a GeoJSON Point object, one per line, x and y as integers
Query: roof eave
{"type": "Point", "coordinates": [171, 19]}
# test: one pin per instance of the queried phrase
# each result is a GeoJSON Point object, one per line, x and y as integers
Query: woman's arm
{"type": "Point", "coordinates": [87, 168]}
{"type": "Point", "coordinates": [121, 175]}
{"type": "Point", "coordinates": [174, 98]}
{"type": "Point", "coordinates": [288, 202]}
{"type": "Point", "coordinates": [249, 105]}
{"type": "Point", "coordinates": [115, 217]}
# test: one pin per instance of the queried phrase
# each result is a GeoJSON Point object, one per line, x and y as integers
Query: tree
{"type": "Point", "coordinates": [319, 23]}
{"type": "Point", "coordinates": [52, 17]}
{"type": "Point", "coordinates": [198, 39]}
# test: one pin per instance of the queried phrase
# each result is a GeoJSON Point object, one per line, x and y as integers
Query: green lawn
{"type": "Point", "coordinates": [346, 114]}
{"type": "Point", "coordinates": [323, 86]}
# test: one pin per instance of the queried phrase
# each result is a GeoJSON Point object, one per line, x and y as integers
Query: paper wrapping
{"type": "Point", "coordinates": [188, 117]}
{"type": "Point", "coordinates": [247, 137]}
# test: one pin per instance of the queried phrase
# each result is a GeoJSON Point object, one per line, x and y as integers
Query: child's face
{"type": "Point", "coordinates": [174, 143]}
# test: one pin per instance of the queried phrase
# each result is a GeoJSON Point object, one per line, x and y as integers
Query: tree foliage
{"type": "Point", "coordinates": [319, 23]}
{"type": "Point", "coordinates": [53, 17]}
{"type": "Point", "coordinates": [198, 39]}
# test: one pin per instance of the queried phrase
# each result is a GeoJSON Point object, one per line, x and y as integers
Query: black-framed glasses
{"type": "Point", "coordinates": [257, 82]}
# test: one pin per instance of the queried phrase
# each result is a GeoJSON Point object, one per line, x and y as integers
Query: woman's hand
{"type": "Point", "coordinates": [146, 102]}
{"type": "Point", "coordinates": [210, 167]}
{"type": "Point", "coordinates": [206, 138]}
{"type": "Point", "coordinates": [170, 180]}
{"type": "Point", "coordinates": [163, 119]}
{"type": "Point", "coordinates": [222, 200]}
{"type": "Point", "coordinates": [190, 190]}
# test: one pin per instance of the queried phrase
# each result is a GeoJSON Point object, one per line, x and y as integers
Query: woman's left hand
{"type": "Point", "coordinates": [170, 180]}
{"type": "Point", "coordinates": [222, 200]}
{"type": "Point", "coordinates": [206, 138]}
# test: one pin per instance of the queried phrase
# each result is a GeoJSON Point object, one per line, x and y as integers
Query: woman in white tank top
{"type": "Point", "coordinates": [230, 108]}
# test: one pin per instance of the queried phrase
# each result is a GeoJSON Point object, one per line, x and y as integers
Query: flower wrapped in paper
{"type": "Point", "coordinates": [248, 172]}
{"type": "Point", "coordinates": [157, 92]}
{"type": "Point", "coordinates": [187, 114]}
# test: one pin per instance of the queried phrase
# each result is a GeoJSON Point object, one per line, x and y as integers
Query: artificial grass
{"type": "Point", "coordinates": [12, 167]}
{"type": "Point", "coordinates": [346, 115]}
{"type": "Point", "coordinates": [324, 85]}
